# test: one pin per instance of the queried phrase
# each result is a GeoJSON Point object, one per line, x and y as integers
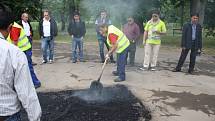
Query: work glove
{"type": "Point", "coordinates": [107, 56]}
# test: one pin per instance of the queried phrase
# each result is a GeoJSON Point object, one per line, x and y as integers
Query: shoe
{"type": "Point", "coordinates": [190, 71]}
{"type": "Point", "coordinates": [50, 61]}
{"type": "Point", "coordinates": [118, 80]}
{"type": "Point", "coordinates": [73, 61]}
{"type": "Point", "coordinates": [43, 62]}
{"type": "Point", "coordinates": [112, 61]}
{"type": "Point", "coordinates": [37, 86]}
{"type": "Point", "coordinates": [115, 73]}
{"type": "Point", "coordinates": [153, 69]}
{"type": "Point", "coordinates": [176, 70]}
{"type": "Point", "coordinates": [143, 68]}
{"type": "Point", "coordinates": [34, 64]}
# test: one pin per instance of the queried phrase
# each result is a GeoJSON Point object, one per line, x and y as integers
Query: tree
{"type": "Point", "coordinates": [20, 6]}
{"type": "Point", "coordinates": [198, 6]}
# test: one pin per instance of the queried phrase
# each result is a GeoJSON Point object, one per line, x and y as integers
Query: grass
{"type": "Point", "coordinates": [168, 40]}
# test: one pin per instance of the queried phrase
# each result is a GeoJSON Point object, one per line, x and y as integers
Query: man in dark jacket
{"type": "Point", "coordinates": [77, 30]}
{"type": "Point", "coordinates": [191, 40]}
{"type": "Point", "coordinates": [47, 31]}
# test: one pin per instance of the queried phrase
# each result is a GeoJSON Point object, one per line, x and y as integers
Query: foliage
{"type": "Point", "coordinates": [19, 6]}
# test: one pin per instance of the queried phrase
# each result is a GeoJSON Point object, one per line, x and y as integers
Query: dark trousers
{"type": "Point", "coordinates": [14, 117]}
{"type": "Point", "coordinates": [121, 61]}
{"type": "Point", "coordinates": [102, 41]}
{"type": "Point", "coordinates": [28, 54]}
{"type": "Point", "coordinates": [131, 53]}
{"type": "Point", "coordinates": [183, 56]}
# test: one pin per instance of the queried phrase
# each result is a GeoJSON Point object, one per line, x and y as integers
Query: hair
{"type": "Point", "coordinates": [155, 12]}
{"type": "Point", "coordinates": [194, 14]}
{"type": "Point", "coordinates": [76, 13]}
{"type": "Point", "coordinates": [6, 17]}
{"type": "Point", "coordinates": [103, 26]}
{"type": "Point", "coordinates": [103, 11]}
{"type": "Point", "coordinates": [46, 11]}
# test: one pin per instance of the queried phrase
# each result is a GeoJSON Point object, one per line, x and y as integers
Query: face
{"type": "Point", "coordinates": [155, 17]}
{"type": "Point", "coordinates": [103, 14]}
{"type": "Point", "coordinates": [194, 19]}
{"type": "Point", "coordinates": [46, 15]}
{"type": "Point", "coordinates": [130, 20]}
{"type": "Point", "coordinates": [76, 17]}
{"type": "Point", "coordinates": [103, 31]}
{"type": "Point", "coordinates": [25, 17]}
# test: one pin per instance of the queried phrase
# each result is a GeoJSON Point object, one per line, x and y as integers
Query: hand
{"type": "Point", "coordinates": [183, 48]}
{"type": "Point", "coordinates": [107, 56]}
{"type": "Point", "coordinates": [82, 38]}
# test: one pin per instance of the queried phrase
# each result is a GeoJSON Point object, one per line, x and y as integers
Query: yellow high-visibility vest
{"type": "Point", "coordinates": [152, 37]}
{"type": "Point", "coordinates": [23, 42]}
{"type": "Point", "coordinates": [122, 41]}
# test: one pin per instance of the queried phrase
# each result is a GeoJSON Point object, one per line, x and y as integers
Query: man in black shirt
{"type": "Point", "coordinates": [77, 30]}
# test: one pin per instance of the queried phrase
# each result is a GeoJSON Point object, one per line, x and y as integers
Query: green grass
{"type": "Point", "coordinates": [168, 40]}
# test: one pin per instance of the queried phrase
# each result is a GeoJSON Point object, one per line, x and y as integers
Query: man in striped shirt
{"type": "Point", "coordinates": [16, 86]}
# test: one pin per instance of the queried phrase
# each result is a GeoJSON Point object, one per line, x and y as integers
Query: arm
{"type": "Point", "coordinates": [145, 37]}
{"type": "Point", "coordinates": [31, 29]}
{"type": "Point", "coordinates": [184, 35]}
{"type": "Point", "coordinates": [41, 28]}
{"type": "Point", "coordinates": [137, 32]}
{"type": "Point", "coordinates": [163, 30]}
{"type": "Point", "coordinates": [84, 29]}
{"type": "Point", "coordinates": [55, 28]}
{"type": "Point", "coordinates": [200, 38]}
{"type": "Point", "coordinates": [113, 38]}
{"type": "Point", "coordinates": [14, 35]}
{"type": "Point", "coordinates": [24, 88]}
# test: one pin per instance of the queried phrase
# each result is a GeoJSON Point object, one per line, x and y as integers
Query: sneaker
{"type": "Point", "coordinates": [153, 69]}
{"type": "Point", "coordinates": [115, 73]}
{"type": "Point", "coordinates": [44, 62]}
{"type": "Point", "coordinates": [50, 61]}
{"type": "Point", "coordinates": [118, 80]}
{"type": "Point", "coordinates": [143, 68]}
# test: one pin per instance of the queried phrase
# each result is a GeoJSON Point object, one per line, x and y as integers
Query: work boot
{"type": "Point", "coordinates": [115, 73]}
{"type": "Point", "coordinates": [37, 86]}
{"type": "Point", "coordinates": [118, 80]}
{"type": "Point", "coordinates": [190, 71]}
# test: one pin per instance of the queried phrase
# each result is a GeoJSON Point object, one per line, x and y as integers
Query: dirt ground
{"type": "Point", "coordinates": [169, 96]}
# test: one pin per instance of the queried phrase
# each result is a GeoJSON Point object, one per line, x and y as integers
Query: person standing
{"type": "Point", "coordinates": [18, 37]}
{"type": "Point", "coordinates": [118, 42]}
{"type": "Point", "coordinates": [152, 40]}
{"type": "Point", "coordinates": [77, 30]}
{"type": "Point", "coordinates": [132, 32]}
{"type": "Point", "coordinates": [24, 22]}
{"type": "Point", "coordinates": [48, 31]}
{"type": "Point", "coordinates": [191, 40]}
{"type": "Point", "coordinates": [16, 87]}
{"type": "Point", "coordinates": [103, 19]}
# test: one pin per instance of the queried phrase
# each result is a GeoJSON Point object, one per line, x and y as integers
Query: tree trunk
{"type": "Point", "coordinates": [198, 6]}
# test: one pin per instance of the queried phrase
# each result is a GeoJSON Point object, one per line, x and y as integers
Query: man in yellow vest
{"type": "Point", "coordinates": [118, 42]}
{"type": "Point", "coordinates": [18, 37]}
{"type": "Point", "coordinates": [152, 40]}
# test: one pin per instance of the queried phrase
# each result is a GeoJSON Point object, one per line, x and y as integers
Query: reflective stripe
{"type": "Point", "coordinates": [124, 44]}
{"type": "Point", "coordinates": [21, 38]}
{"type": "Point", "coordinates": [155, 37]}
{"type": "Point", "coordinates": [120, 39]}
{"type": "Point", "coordinates": [25, 44]}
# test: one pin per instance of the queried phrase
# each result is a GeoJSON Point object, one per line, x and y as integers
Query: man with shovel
{"type": "Point", "coordinates": [118, 42]}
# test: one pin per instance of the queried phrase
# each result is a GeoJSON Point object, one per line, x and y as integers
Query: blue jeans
{"type": "Point", "coordinates": [77, 43]}
{"type": "Point", "coordinates": [14, 117]}
{"type": "Point", "coordinates": [28, 54]}
{"type": "Point", "coordinates": [102, 41]}
{"type": "Point", "coordinates": [121, 62]}
{"type": "Point", "coordinates": [47, 44]}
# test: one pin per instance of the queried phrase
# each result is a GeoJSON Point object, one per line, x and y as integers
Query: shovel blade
{"type": "Point", "coordinates": [96, 86]}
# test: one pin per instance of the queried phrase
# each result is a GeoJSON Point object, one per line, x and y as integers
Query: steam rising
{"type": "Point", "coordinates": [108, 94]}
{"type": "Point", "coordinates": [117, 9]}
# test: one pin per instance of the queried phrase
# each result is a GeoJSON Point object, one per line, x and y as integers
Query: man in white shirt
{"type": "Point", "coordinates": [16, 86]}
{"type": "Point", "coordinates": [47, 31]}
{"type": "Point", "coordinates": [24, 22]}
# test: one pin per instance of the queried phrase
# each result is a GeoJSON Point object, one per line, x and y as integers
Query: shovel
{"type": "Point", "coordinates": [97, 85]}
